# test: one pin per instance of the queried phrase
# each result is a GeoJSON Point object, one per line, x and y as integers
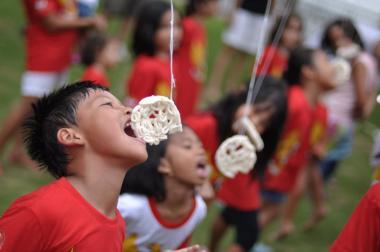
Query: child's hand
{"type": "Point", "coordinates": [195, 248]}
{"type": "Point", "coordinates": [100, 22]}
{"type": "Point", "coordinates": [259, 114]}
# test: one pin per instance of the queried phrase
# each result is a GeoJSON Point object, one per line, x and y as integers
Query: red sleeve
{"type": "Point", "coordinates": [141, 82]}
{"type": "Point", "coordinates": [362, 231]}
{"type": "Point", "coordinates": [43, 8]}
{"type": "Point", "coordinates": [20, 231]}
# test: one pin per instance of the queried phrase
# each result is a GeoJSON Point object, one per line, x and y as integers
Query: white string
{"type": "Point", "coordinates": [274, 43]}
{"type": "Point", "coordinates": [259, 52]}
{"type": "Point", "coordinates": [172, 79]}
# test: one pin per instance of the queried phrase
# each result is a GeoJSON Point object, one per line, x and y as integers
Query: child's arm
{"type": "Point", "coordinates": [55, 22]}
{"type": "Point", "coordinates": [20, 231]}
{"type": "Point", "coordinates": [359, 79]}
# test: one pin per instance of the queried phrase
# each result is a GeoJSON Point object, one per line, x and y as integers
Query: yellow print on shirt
{"type": "Point", "coordinates": [317, 133]}
{"type": "Point", "coordinates": [129, 245]}
{"type": "Point", "coordinates": [162, 89]}
{"type": "Point", "coordinates": [285, 149]}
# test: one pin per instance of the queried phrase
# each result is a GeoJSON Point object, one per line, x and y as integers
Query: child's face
{"type": "Point", "coordinates": [324, 70]}
{"type": "Point", "coordinates": [208, 8]}
{"type": "Point", "coordinates": [186, 158]}
{"type": "Point", "coordinates": [291, 37]}
{"type": "Point", "coordinates": [110, 54]}
{"type": "Point", "coordinates": [104, 126]}
{"type": "Point", "coordinates": [259, 114]}
{"type": "Point", "coordinates": [162, 36]}
{"type": "Point", "coordinates": [338, 37]}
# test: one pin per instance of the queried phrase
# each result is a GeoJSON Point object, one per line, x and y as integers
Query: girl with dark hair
{"type": "Point", "coordinates": [98, 53]}
{"type": "Point", "coordinates": [309, 75]}
{"type": "Point", "coordinates": [275, 58]}
{"type": "Point", "coordinates": [150, 74]}
{"type": "Point", "coordinates": [239, 196]}
{"type": "Point", "coordinates": [192, 54]}
{"type": "Point", "coordinates": [158, 199]}
{"type": "Point", "coordinates": [351, 101]}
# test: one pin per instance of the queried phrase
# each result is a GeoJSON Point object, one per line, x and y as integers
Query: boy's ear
{"type": "Point", "coordinates": [164, 167]}
{"type": "Point", "coordinates": [69, 137]}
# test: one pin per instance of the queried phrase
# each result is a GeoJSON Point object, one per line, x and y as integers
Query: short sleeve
{"type": "Point", "coordinates": [20, 231]}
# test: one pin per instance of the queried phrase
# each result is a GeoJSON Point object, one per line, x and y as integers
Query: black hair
{"type": "Point", "coordinates": [299, 58]}
{"type": "Point", "coordinates": [193, 5]}
{"type": "Point", "coordinates": [147, 23]}
{"type": "Point", "coordinates": [93, 44]}
{"type": "Point", "coordinates": [272, 91]}
{"type": "Point", "coordinates": [51, 113]}
{"type": "Point", "coordinates": [276, 26]}
{"type": "Point", "coordinates": [348, 29]}
{"type": "Point", "coordinates": [145, 179]}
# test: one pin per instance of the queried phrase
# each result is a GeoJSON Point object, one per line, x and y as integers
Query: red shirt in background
{"type": "Point", "coordinates": [96, 75]}
{"type": "Point", "coordinates": [57, 218]}
{"type": "Point", "coordinates": [48, 51]}
{"type": "Point", "coordinates": [149, 76]}
{"type": "Point", "coordinates": [292, 150]}
{"type": "Point", "coordinates": [362, 231]}
{"type": "Point", "coordinates": [277, 65]}
{"type": "Point", "coordinates": [191, 59]}
{"type": "Point", "coordinates": [242, 191]}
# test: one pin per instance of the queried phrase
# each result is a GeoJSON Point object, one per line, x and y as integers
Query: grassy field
{"type": "Point", "coordinates": [352, 179]}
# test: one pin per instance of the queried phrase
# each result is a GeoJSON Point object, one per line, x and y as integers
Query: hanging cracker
{"type": "Point", "coordinates": [253, 134]}
{"type": "Point", "coordinates": [342, 71]}
{"type": "Point", "coordinates": [349, 52]}
{"type": "Point", "coordinates": [154, 118]}
{"type": "Point", "coordinates": [235, 154]}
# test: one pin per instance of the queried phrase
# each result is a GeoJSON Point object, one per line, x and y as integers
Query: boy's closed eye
{"type": "Point", "coordinates": [108, 104]}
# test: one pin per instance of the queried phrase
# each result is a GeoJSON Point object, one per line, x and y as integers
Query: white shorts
{"type": "Point", "coordinates": [37, 84]}
{"type": "Point", "coordinates": [244, 31]}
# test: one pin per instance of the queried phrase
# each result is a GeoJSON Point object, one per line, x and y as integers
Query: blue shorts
{"type": "Point", "coordinates": [272, 196]}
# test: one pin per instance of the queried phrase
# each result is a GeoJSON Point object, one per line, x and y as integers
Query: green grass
{"type": "Point", "coordinates": [351, 183]}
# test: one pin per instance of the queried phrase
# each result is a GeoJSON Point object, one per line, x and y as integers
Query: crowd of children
{"type": "Point", "coordinates": [129, 196]}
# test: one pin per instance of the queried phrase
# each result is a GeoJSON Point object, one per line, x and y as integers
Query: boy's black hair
{"type": "Point", "coordinates": [349, 30]}
{"type": "Point", "coordinates": [94, 43]}
{"type": "Point", "coordinates": [276, 26]}
{"type": "Point", "coordinates": [51, 113]}
{"type": "Point", "coordinates": [147, 23]}
{"type": "Point", "coordinates": [145, 179]}
{"type": "Point", "coordinates": [299, 58]}
{"type": "Point", "coordinates": [272, 91]}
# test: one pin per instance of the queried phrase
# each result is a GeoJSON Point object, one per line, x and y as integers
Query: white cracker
{"type": "Point", "coordinates": [154, 118]}
{"type": "Point", "coordinates": [235, 154]}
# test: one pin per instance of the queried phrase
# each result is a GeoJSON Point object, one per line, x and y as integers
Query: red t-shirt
{"type": "Point", "coordinates": [362, 231]}
{"type": "Point", "coordinates": [48, 51]}
{"type": "Point", "coordinates": [57, 218]}
{"type": "Point", "coordinates": [94, 74]}
{"type": "Point", "coordinates": [277, 65]}
{"type": "Point", "coordinates": [191, 58]}
{"type": "Point", "coordinates": [292, 150]}
{"type": "Point", "coordinates": [149, 76]}
{"type": "Point", "coordinates": [241, 192]}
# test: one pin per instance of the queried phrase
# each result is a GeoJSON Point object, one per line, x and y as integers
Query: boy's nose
{"type": "Point", "coordinates": [127, 110]}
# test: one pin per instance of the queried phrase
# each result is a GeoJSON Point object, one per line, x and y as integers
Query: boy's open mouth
{"type": "Point", "coordinates": [128, 129]}
{"type": "Point", "coordinates": [201, 165]}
